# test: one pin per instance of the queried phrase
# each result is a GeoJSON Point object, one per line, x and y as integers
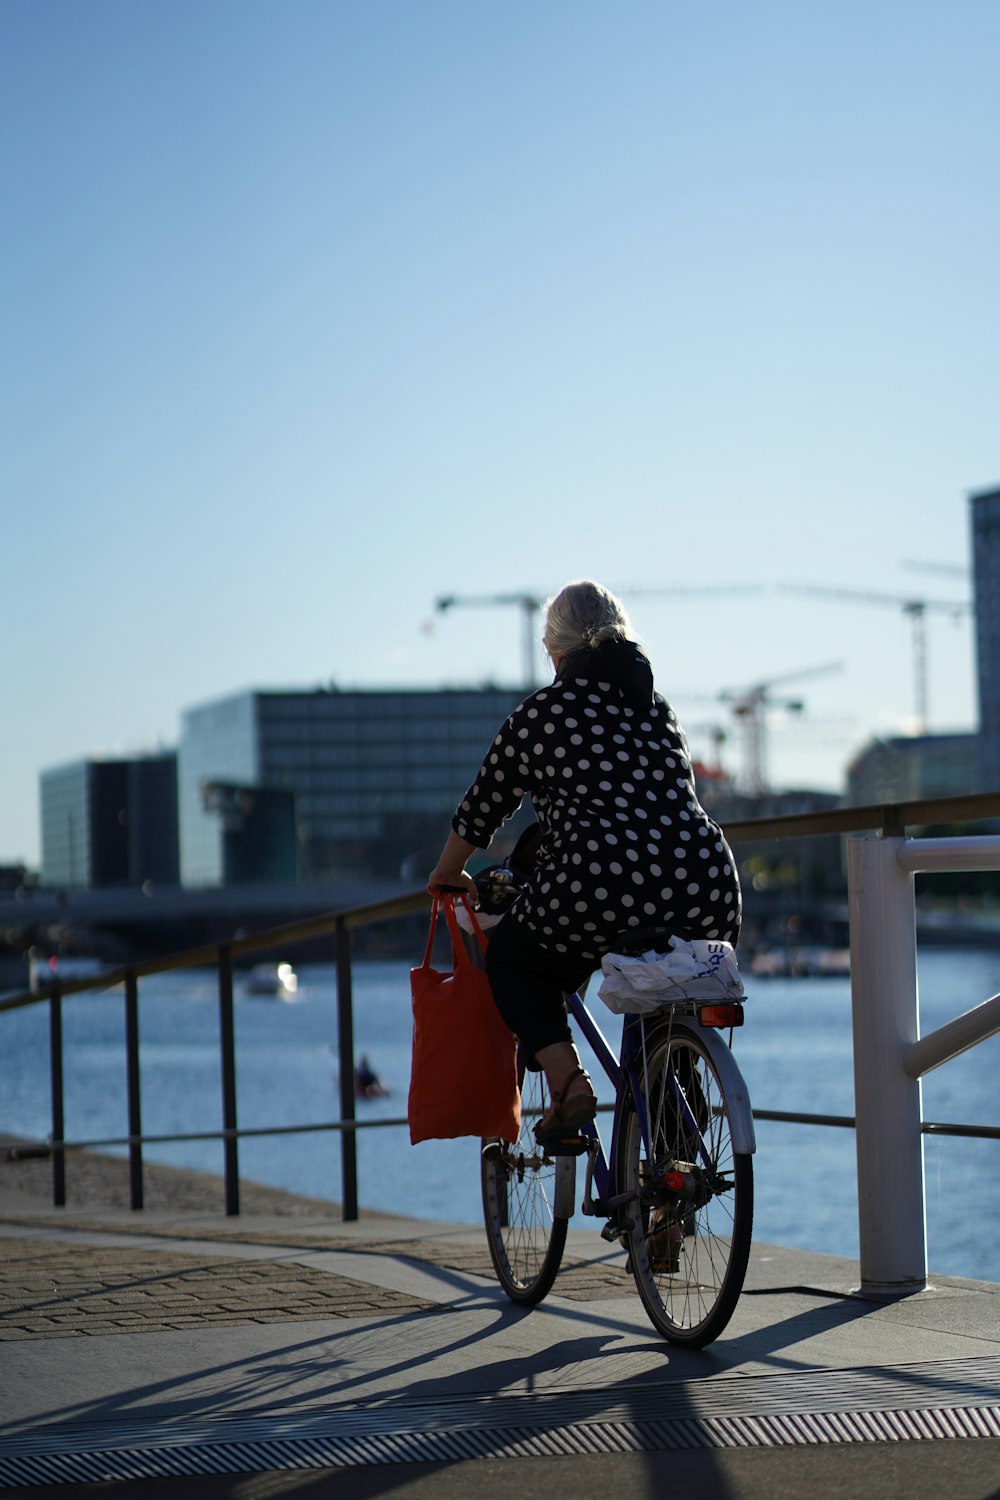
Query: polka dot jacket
{"type": "Point", "coordinates": [625, 842]}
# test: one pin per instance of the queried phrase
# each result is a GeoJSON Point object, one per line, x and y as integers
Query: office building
{"type": "Point", "coordinates": [110, 822]}
{"type": "Point", "coordinates": [151, 820]}
{"type": "Point", "coordinates": [369, 780]}
{"type": "Point", "coordinates": [257, 832]}
{"type": "Point", "coordinates": [985, 519]}
{"type": "Point", "coordinates": [910, 768]}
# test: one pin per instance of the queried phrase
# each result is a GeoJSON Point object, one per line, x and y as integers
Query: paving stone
{"type": "Point", "coordinates": [53, 1290]}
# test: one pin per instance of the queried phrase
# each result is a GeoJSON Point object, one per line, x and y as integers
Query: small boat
{"type": "Point", "coordinates": [43, 971]}
{"type": "Point", "coordinates": [367, 1083]}
{"type": "Point", "coordinates": [279, 980]}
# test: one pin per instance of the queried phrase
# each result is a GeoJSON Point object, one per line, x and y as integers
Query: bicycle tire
{"type": "Point", "coordinates": [525, 1236]}
{"type": "Point", "coordinates": [688, 1258]}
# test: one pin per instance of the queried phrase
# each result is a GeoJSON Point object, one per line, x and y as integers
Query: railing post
{"type": "Point", "coordinates": [227, 1047]}
{"type": "Point", "coordinates": [134, 1095]}
{"type": "Point", "coordinates": [58, 1112]}
{"type": "Point", "coordinates": [345, 1054]}
{"type": "Point", "coordinates": [887, 1102]}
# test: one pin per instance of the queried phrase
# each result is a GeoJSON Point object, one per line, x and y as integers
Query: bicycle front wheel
{"type": "Point", "coordinates": [525, 1236]}
{"type": "Point", "coordinates": [689, 1238]}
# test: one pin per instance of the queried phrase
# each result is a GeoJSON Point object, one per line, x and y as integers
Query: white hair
{"type": "Point", "coordinates": [583, 613]}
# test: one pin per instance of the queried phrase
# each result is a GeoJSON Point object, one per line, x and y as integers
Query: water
{"type": "Point", "coordinates": [795, 1052]}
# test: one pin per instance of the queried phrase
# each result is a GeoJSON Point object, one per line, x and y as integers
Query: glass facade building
{"type": "Point", "coordinates": [374, 776]}
{"type": "Point", "coordinates": [110, 822]}
{"type": "Point", "coordinates": [151, 820]}
{"type": "Point", "coordinates": [218, 744]}
{"type": "Point", "coordinates": [985, 508]}
{"type": "Point", "coordinates": [66, 825]}
{"type": "Point", "coordinates": [911, 768]}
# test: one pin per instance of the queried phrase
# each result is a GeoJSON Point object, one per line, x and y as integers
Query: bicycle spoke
{"type": "Point", "coordinates": [525, 1236]}
{"type": "Point", "coordinates": [690, 1238]}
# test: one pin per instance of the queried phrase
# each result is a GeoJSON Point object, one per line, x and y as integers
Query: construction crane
{"type": "Point", "coordinates": [530, 604]}
{"type": "Point", "coordinates": [722, 591]}
{"type": "Point", "coordinates": [750, 705]}
{"type": "Point", "coordinates": [716, 736]}
{"type": "Point", "coordinates": [917, 610]}
{"type": "Point", "coordinates": [957, 570]}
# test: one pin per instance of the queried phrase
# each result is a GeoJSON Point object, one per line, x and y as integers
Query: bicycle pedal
{"type": "Point", "coordinates": [570, 1145]}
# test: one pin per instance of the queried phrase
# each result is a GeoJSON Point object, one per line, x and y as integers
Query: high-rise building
{"type": "Point", "coordinates": [913, 768]}
{"type": "Point", "coordinates": [258, 832]}
{"type": "Point", "coordinates": [985, 517]}
{"type": "Point", "coordinates": [153, 842]}
{"type": "Point", "coordinates": [110, 822]}
{"type": "Point", "coordinates": [370, 777]}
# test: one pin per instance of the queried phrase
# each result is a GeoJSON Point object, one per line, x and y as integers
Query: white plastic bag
{"type": "Point", "coordinates": [486, 920]}
{"type": "Point", "coordinates": [701, 970]}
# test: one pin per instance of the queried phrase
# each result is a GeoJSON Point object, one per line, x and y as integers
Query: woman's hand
{"type": "Point", "coordinates": [441, 876]}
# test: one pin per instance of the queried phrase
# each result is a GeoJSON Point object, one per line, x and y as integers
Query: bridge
{"type": "Point", "coordinates": [131, 922]}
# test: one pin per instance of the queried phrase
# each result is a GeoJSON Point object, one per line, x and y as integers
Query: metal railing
{"type": "Point", "coordinates": [889, 1057]}
{"type": "Point", "coordinates": [338, 925]}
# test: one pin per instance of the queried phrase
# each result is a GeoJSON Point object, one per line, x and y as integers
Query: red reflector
{"type": "Point", "coordinates": [728, 1014]}
{"type": "Point", "coordinates": [674, 1181]}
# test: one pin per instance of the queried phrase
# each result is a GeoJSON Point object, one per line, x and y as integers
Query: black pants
{"type": "Point", "coordinates": [529, 983]}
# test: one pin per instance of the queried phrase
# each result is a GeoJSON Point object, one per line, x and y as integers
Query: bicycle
{"type": "Point", "coordinates": [675, 1186]}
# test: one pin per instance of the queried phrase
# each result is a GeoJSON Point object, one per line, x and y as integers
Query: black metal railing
{"type": "Point", "coordinates": [221, 956]}
{"type": "Point", "coordinates": [889, 819]}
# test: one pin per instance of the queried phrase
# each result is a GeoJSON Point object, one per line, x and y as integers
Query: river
{"type": "Point", "coordinates": [795, 1051]}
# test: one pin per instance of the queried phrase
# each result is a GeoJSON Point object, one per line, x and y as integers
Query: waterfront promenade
{"type": "Point", "coordinates": [285, 1353]}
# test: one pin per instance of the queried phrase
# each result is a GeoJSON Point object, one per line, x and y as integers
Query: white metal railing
{"type": "Point", "coordinates": [890, 1055]}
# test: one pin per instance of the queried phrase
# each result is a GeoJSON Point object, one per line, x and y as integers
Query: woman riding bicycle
{"type": "Point", "coordinates": [624, 842]}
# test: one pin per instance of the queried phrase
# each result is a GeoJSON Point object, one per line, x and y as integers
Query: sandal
{"type": "Point", "coordinates": [565, 1117]}
{"type": "Point", "coordinates": [664, 1239]}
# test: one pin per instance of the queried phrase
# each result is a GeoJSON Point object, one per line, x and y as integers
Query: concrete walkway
{"type": "Point", "coordinates": [168, 1353]}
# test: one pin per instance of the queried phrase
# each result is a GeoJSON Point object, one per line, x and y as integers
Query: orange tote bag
{"type": "Point", "coordinates": [464, 1075]}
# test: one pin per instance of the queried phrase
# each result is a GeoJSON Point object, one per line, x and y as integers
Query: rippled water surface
{"type": "Point", "coordinates": [795, 1051]}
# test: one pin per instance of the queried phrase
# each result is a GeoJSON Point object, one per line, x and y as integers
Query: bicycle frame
{"type": "Point", "coordinates": [601, 1167]}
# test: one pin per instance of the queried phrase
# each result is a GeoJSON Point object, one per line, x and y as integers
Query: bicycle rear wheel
{"type": "Point", "coordinates": [525, 1236]}
{"type": "Point", "coordinates": [689, 1240]}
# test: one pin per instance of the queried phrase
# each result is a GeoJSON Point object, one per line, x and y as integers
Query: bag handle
{"type": "Point", "coordinates": [450, 917]}
{"type": "Point", "coordinates": [445, 898]}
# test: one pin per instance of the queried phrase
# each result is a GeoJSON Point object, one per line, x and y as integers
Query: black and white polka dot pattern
{"type": "Point", "coordinates": [625, 842]}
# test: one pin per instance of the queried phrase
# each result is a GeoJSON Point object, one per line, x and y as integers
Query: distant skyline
{"type": "Point", "coordinates": [317, 310]}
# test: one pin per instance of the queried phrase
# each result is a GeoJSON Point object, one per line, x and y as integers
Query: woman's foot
{"type": "Point", "coordinates": [664, 1240]}
{"type": "Point", "coordinates": [573, 1106]}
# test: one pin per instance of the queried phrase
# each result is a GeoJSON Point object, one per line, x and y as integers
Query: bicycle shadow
{"type": "Point", "coordinates": [410, 1366]}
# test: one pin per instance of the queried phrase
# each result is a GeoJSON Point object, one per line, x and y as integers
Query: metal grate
{"type": "Point", "coordinates": [269, 1455]}
{"type": "Point", "coordinates": [911, 1403]}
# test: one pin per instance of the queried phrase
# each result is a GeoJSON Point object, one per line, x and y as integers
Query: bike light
{"type": "Point", "coordinates": [728, 1014]}
{"type": "Point", "coordinates": [675, 1181]}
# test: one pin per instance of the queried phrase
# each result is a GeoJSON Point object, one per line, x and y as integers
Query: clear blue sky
{"type": "Point", "coordinates": [314, 310]}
